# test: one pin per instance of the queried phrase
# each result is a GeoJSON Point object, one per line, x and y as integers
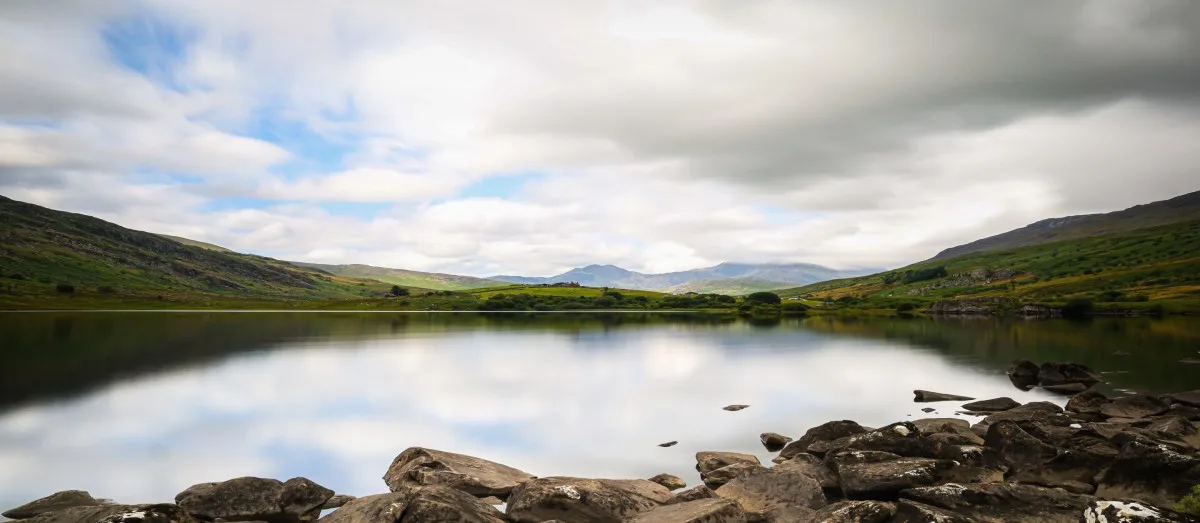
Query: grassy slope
{"type": "Point", "coordinates": [426, 280]}
{"type": "Point", "coordinates": [591, 292]}
{"type": "Point", "coordinates": [196, 243]}
{"type": "Point", "coordinates": [729, 286]}
{"type": "Point", "coordinates": [41, 248]}
{"type": "Point", "coordinates": [1162, 263]}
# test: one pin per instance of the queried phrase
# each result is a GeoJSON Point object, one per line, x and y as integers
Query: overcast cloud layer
{"type": "Point", "coordinates": [529, 137]}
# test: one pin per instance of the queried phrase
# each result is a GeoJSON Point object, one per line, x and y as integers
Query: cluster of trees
{"type": "Point", "coordinates": [913, 276]}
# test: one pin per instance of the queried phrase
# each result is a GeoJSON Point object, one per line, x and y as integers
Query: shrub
{"type": "Point", "coordinates": [17, 276]}
{"type": "Point", "coordinates": [1077, 308]}
{"type": "Point", "coordinates": [105, 289]}
{"type": "Point", "coordinates": [1190, 504]}
{"type": "Point", "coordinates": [795, 307]}
{"type": "Point", "coordinates": [398, 291]}
{"type": "Point", "coordinates": [905, 307]}
{"type": "Point", "coordinates": [65, 288]}
{"type": "Point", "coordinates": [765, 298]}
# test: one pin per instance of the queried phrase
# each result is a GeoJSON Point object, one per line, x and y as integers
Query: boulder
{"type": "Point", "coordinates": [1137, 406]}
{"type": "Point", "coordinates": [1176, 429]}
{"type": "Point", "coordinates": [1003, 502]}
{"type": "Point", "coordinates": [912, 512]}
{"type": "Point", "coordinates": [992, 405]}
{"type": "Point", "coordinates": [734, 408]}
{"type": "Point", "coordinates": [698, 511]}
{"type": "Point", "coordinates": [715, 478]}
{"type": "Point", "coordinates": [1187, 412]}
{"type": "Point", "coordinates": [108, 513]}
{"type": "Point", "coordinates": [1043, 411]}
{"type": "Point", "coordinates": [854, 457]}
{"type": "Point", "coordinates": [1086, 403]}
{"type": "Point", "coordinates": [1017, 448]}
{"type": "Point", "coordinates": [708, 461]}
{"type": "Point", "coordinates": [337, 501]}
{"type": "Point", "coordinates": [418, 466]}
{"type": "Point", "coordinates": [1150, 472]}
{"type": "Point", "coordinates": [417, 504]}
{"type": "Point", "coordinates": [55, 501]}
{"type": "Point", "coordinates": [925, 396]}
{"type": "Point", "coordinates": [825, 432]}
{"type": "Point", "coordinates": [854, 512]}
{"type": "Point", "coordinates": [884, 479]}
{"type": "Point", "coordinates": [1132, 512]}
{"type": "Point", "coordinates": [773, 442]}
{"type": "Point", "coordinates": [816, 469]}
{"type": "Point", "coordinates": [669, 481]}
{"type": "Point", "coordinates": [784, 487]}
{"type": "Point", "coordinates": [668, 444]}
{"type": "Point", "coordinates": [1023, 369]}
{"type": "Point", "coordinates": [1072, 470]}
{"type": "Point", "coordinates": [255, 499]}
{"type": "Point", "coordinates": [1191, 398]}
{"type": "Point", "coordinates": [584, 500]}
{"type": "Point", "coordinates": [1060, 373]}
{"type": "Point", "coordinates": [692, 494]}
{"type": "Point", "coordinates": [901, 438]}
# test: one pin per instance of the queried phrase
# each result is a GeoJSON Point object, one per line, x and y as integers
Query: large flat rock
{"type": "Point", "coordinates": [418, 466]}
{"type": "Point", "coordinates": [430, 504]}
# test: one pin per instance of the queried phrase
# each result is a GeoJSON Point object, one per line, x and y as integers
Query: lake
{"type": "Point", "coordinates": [137, 406]}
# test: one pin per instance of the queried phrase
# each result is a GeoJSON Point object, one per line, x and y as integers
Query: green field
{"type": "Point", "coordinates": [1156, 264]}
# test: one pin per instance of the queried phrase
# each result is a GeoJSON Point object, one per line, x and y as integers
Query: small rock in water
{"type": "Point", "coordinates": [735, 408]}
{"type": "Point", "coordinates": [925, 396]}
{"type": "Point", "coordinates": [927, 410]}
{"type": "Point", "coordinates": [992, 405]}
{"type": "Point", "coordinates": [773, 441]}
{"type": "Point", "coordinates": [668, 444]}
{"type": "Point", "coordinates": [1067, 388]}
{"type": "Point", "coordinates": [1120, 353]}
{"type": "Point", "coordinates": [1190, 361]}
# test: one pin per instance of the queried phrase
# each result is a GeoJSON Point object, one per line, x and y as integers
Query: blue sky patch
{"type": "Point", "coordinates": [150, 45]}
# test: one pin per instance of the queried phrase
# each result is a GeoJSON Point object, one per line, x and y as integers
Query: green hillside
{"type": "Point", "coordinates": [729, 286]}
{"type": "Point", "coordinates": [1151, 264]}
{"type": "Point", "coordinates": [196, 243]}
{"type": "Point", "coordinates": [406, 278]}
{"type": "Point", "coordinates": [49, 253]}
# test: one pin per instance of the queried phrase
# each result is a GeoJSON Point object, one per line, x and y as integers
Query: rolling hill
{"type": "Point", "coordinates": [1175, 210]}
{"type": "Point", "coordinates": [406, 278]}
{"type": "Point", "coordinates": [42, 250]}
{"type": "Point", "coordinates": [735, 278]}
{"type": "Point", "coordinates": [1133, 264]}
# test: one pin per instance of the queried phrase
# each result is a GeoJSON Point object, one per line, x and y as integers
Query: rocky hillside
{"type": "Point", "coordinates": [1104, 460]}
{"type": "Point", "coordinates": [43, 251]}
{"type": "Point", "coordinates": [1178, 209]}
{"type": "Point", "coordinates": [407, 278]}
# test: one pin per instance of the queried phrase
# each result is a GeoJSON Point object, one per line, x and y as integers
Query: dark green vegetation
{"type": "Point", "coordinates": [726, 278]}
{"type": "Point", "coordinates": [1190, 504]}
{"type": "Point", "coordinates": [424, 280]}
{"type": "Point", "coordinates": [1151, 269]}
{"type": "Point", "coordinates": [1178, 209]}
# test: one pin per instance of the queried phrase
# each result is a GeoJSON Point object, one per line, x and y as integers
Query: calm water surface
{"type": "Point", "coordinates": [138, 406]}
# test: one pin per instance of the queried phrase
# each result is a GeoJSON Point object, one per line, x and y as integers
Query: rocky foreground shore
{"type": "Point", "coordinates": [1126, 459]}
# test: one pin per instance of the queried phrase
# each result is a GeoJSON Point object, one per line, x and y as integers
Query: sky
{"type": "Point", "coordinates": [529, 137]}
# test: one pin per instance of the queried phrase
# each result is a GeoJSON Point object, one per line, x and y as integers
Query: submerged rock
{"type": "Point", "coordinates": [992, 405]}
{"type": "Point", "coordinates": [255, 499]}
{"type": "Point", "coordinates": [1061, 373]}
{"type": "Point", "coordinates": [734, 408]}
{"type": "Point", "coordinates": [1067, 389]}
{"type": "Point", "coordinates": [417, 504]}
{"type": "Point", "coordinates": [419, 466]}
{"type": "Point", "coordinates": [669, 481]}
{"type": "Point", "coordinates": [668, 444]}
{"type": "Point", "coordinates": [55, 501]}
{"type": "Point", "coordinates": [925, 396]}
{"type": "Point", "coordinates": [773, 441]}
{"type": "Point", "coordinates": [584, 500]}
{"type": "Point", "coordinates": [698, 511]}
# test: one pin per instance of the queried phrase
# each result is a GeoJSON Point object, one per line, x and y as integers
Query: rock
{"type": "Point", "coordinates": [1153, 473]}
{"type": "Point", "coordinates": [1043, 411]}
{"type": "Point", "coordinates": [55, 501]}
{"type": "Point", "coordinates": [478, 477]}
{"type": "Point", "coordinates": [250, 499]}
{"type": "Point", "coordinates": [1003, 502]}
{"type": "Point", "coordinates": [1187, 398]}
{"type": "Point", "coordinates": [584, 500]}
{"type": "Point", "coordinates": [927, 410]}
{"type": "Point", "coordinates": [708, 461]}
{"type": "Point", "coordinates": [1017, 448]}
{"type": "Point", "coordinates": [699, 511]}
{"type": "Point", "coordinates": [992, 405]}
{"type": "Point", "coordinates": [854, 457]}
{"type": "Point", "coordinates": [417, 504]}
{"type": "Point", "coordinates": [1066, 389]}
{"type": "Point", "coordinates": [1177, 429]}
{"type": "Point", "coordinates": [936, 425]}
{"type": "Point", "coordinates": [924, 396]}
{"type": "Point", "coordinates": [913, 512]}
{"type": "Point", "coordinates": [940, 432]}
{"type": "Point", "coordinates": [816, 469]}
{"type": "Point", "coordinates": [825, 432]}
{"type": "Point", "coordinates": [1190, 361]}
{"type": "Point", "coordinates": [1134, 407]}
{"type": "Point", "coordinates": [692, 494]}
{"type": "Point", "coordinates": [668, 444]}
{"type": "Point", "coordinates": [108, 513]}
{"type": "Point", "coordinates": [783, 487]}
{"type": "Point", "coordinates": [734, 408]}
{"type": "Point", "coordinates": [716, 478]}
{"type": "Point", "coordinates": [854, 512]}
{"type": "Point", "coordinates": [669, 481]}
{"type": "Point", "coordinates": [1132, 512]}
{"type": "Point", "coordinates": [337, 501]}
{"type": "Point", "coordinates": [1024, 369]}
{"type": "Point", "coordinates": [1086, 403]}
{"type": "Point", "coordinates": [1187, 412]}
{"type": "Point", "coordinates": [883, 480]}
{"type": "Point", "coordinates": [1060, 373]}
{"type": "Point", "coordinates": [898, 438]}
{"type": "Point", "coordinates": [773, 442]}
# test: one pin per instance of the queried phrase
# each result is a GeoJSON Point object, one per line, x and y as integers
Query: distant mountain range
{"type": "Point", "coordinates": [732, 278]}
